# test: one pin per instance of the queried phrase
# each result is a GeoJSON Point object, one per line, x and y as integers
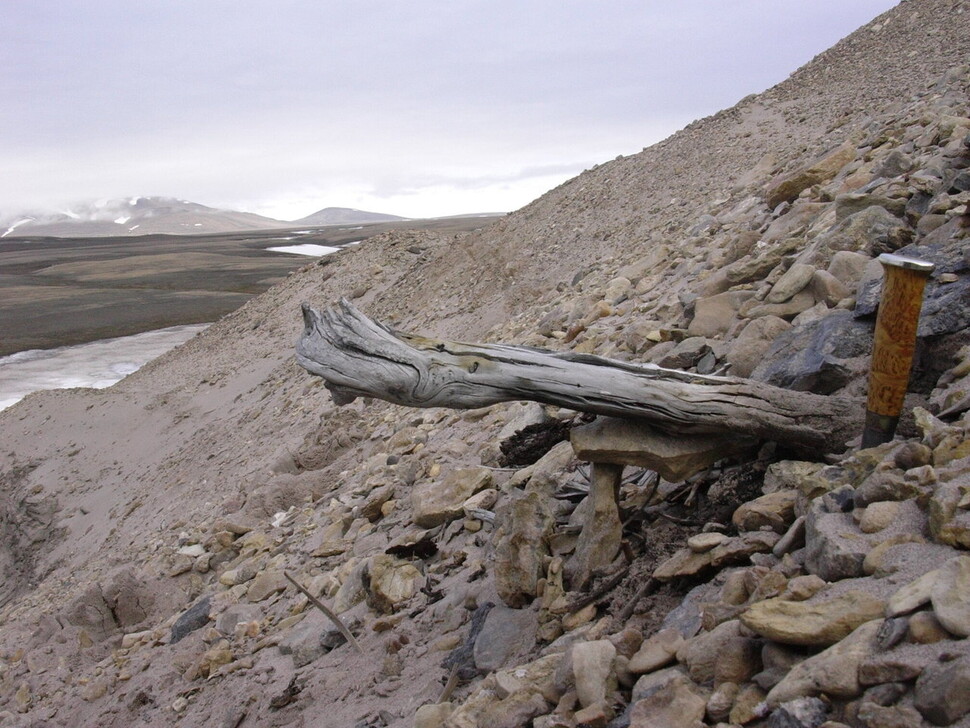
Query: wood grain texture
{"type": "Point", "coordinates": [359, 357]}
{"type": "Point", "coordinates": [895, 339]}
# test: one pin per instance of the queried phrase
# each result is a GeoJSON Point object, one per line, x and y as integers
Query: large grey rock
{"type": "Point", "coordinates": [800, 302]}
{"type": "Point", "coordinates": [658, 650]}
{"type": "Point", "coordinates": [749, 347]}
{"type": "Point", "coordinates": [236, 613]}
{"type": "Point", "coordinates": [949, 523]}
{"type": "Point", "coordinates": [687, 616]}
{"type": "Point", "coordinates": [686, 353]}
{"type": "Point", "coordinates": [815, 357]}
{"type": "Point", "coordinates": [943, 691]}
{"type": "Point", "coordinates": [834, 549]}
{"type": "Point", "coordinates": [313, 637]}
{"type": "Point", "coordinates": [724, 654]}
{"type": "Point", "coordinates": [715, 315]}
{"type": "Point", "coordinates": [847, 267]}
{"type": "Point", "coordinates": [506, 633]}
{"type": "Point", "coordinates": [828, 289]}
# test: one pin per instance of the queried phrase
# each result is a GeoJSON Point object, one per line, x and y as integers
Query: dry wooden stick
{"type": "Point", "coordinates": [649, 587]}
{"type": "Point", "coordinates": [596, 595]}
{"type": "Point", "coordinates": [450, 686]}
{"type": "Point", "coordinates": [329, 614]}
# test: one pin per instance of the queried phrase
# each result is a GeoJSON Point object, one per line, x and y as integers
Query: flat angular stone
{"type": "Point", "coordinates": [816, 622]}
{"type": "Point", "coordinates": [439, 501]}
{"type": "Point", "coordinates": [738, 550]}
{"type": "Point", "coordinates": [912, 596]}
{"type": "Point", "coordinates": [834, 671]}
{"type": "Point", "coordinates": [950, 596]}
{"type": "Point", "coordinates": [793, 281]}
{"type": "Point", "coordinates": [656, 651]}
{"type": "Point", "coordinates": [683, 563]}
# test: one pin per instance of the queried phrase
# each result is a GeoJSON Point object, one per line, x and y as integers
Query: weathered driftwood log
{"type": "Point", "coordinates": [359, 357]}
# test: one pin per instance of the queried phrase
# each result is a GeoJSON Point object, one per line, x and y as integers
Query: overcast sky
{"type": "Point", "coordinates": [415, 108]}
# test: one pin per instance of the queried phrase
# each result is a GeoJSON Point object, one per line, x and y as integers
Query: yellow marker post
{"type": "Point", "coordinates": [895, 341]}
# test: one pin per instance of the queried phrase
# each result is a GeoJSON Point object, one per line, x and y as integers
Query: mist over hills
{"type": "Point", "coordinates": [164, 215]}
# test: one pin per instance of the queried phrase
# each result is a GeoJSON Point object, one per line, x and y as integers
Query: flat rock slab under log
{"type": "Point", "coordinates": [631, 442]}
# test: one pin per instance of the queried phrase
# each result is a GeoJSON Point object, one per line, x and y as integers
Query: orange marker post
{"type": "Point", "coordinates": [895, 341]}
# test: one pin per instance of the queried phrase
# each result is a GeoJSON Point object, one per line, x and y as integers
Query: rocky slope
{"type": "Point", "coordinates": [149, 529]}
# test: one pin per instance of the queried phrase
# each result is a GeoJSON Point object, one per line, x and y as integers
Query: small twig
{"type": "Point", "coordinates": [649, 586]}
{"type": "Point", "coordinates": [689, 500]}
{"type": "Point", "coordinates": [679, 521]}
{"type": "Point", "coordinates": [595, 596]}
{"type": "Point", "coordinates": [329, 614]}
{"type": "Point", "coordinates": [482, 515]}
{"type": "Point", "coordinates": [449, 686]}
{"type": "Point", "coordinates": [627, 551]}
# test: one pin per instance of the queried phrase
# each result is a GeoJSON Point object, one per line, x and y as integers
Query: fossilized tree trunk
{"type": "Point", "coordinates": [359, 357]}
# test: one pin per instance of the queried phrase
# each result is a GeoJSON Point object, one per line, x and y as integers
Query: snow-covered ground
{"type": "Point", "coordinates": [97, 364]}
{"type": "Point", "coordinates": [305, 249]}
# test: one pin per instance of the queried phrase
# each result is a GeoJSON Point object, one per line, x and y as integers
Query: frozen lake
{"type": "Point", "coordinates": [96, 364]}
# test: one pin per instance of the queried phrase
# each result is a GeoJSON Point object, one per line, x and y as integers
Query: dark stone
{"type": "Point", "coordinates": [462, 658]}
{"type": "Point", "coordinates": [891, 633]}
{"type": "Point", "coordinates": [506, 633]}
{"type": "Point", "coordinates": [840, 500]}
{"type": "Point", "coordinates": [961, 183]}
{"type": "Point", "coordinates": [813, 357]}
{"type": "Point", "coordinates": [946, 307]}
{"type": "Point", "coordinates": [193, 618]}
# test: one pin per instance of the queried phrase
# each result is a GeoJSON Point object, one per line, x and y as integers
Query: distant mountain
{"type": "Point", "coordinates": [345, 216]}
{"type": "Point", "coordinates": [135, 216]}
